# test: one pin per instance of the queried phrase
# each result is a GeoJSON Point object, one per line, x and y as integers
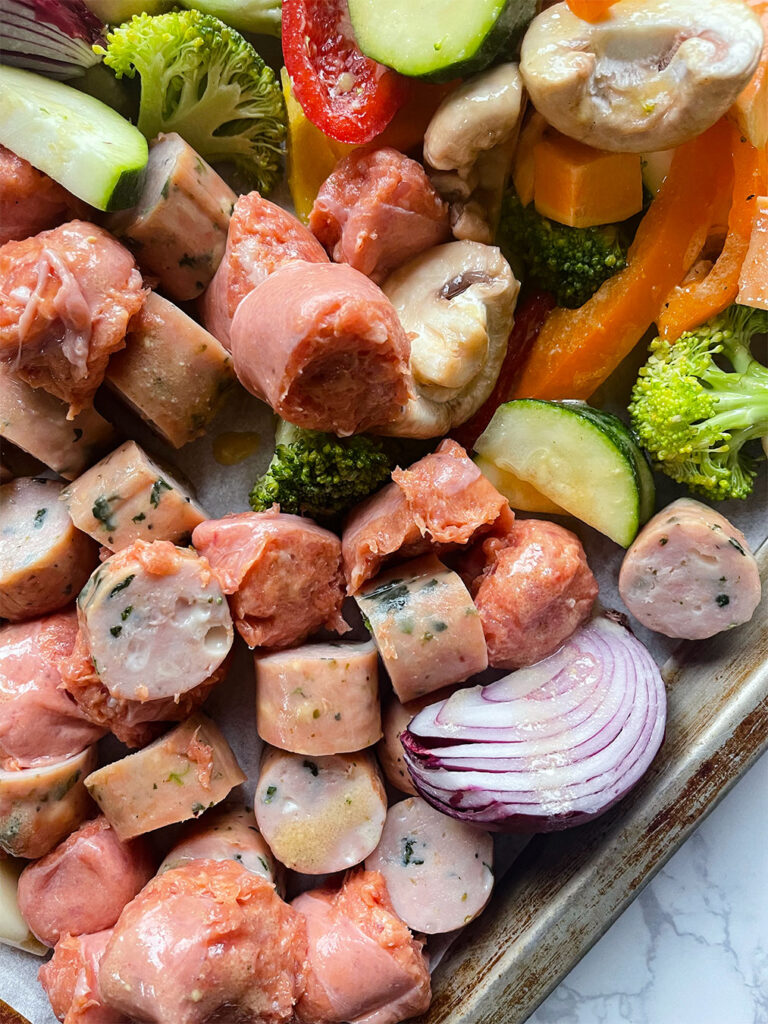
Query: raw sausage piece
{"type": "Point", "coordinates": [439, 871]}
{"type": "Point", "coordinates": [690, 573]}
{"type": "Point", "coordinates": [262, 237]}
{"type": "Point", "coordinates": [39, 806]}
{"type": "Point", "coordinates": [71, 980]}
{"type": "Point", "coordinates": [320, 815]}
{"type": "Point", "coordinates": [39, 721]}
{"type": "Point", "coordinates": [128, 497]}
{"type": "Point", "coordinates": [320, 698]}
{"type": "Point", "coordinates": [14, 930]}
{"type": "Point", "coordinates": [37, 422]}
{"type": "Point", "coordinates": [30, 201]}
{"type": "Point", "coordinates": [377, 210]}
{"type": "Point", "coordinates": [66, 297]}
{"type": "Point", "coordinates": [426, 628]}
{"type": "Point", "coordinates": [535, 589]}
{"type": "Point", "coordinates": [324, 347]}
{"type": "Point", "coordinates": [364, 966]}
{"type": "Point", "coordinates": [178, 229]}
{"type": "Point", "coordinates": [225, 834]}
{"type": "Point", "coordinates": [44, 560]}
{"type": "Point", "coordinates": [201, 939]}
{"type": "Point", "coordinates": [83, 884]}
{"type": "Point", "coordinates": [155, 621]}
{"type": "Point", "coordinates": [174, 779]}
{"type": "Point", "coordinates": [395, 718]}
{"type": "Point", "coordinates": [283, 573]}
{"type": "Point", "coordinates": [172, 372]}
{"type": "Point", "coordinates": [441, 499]}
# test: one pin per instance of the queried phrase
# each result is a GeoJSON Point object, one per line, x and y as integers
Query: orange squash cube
{"type": "Point", "coordinates": [753, 279]}
{"type": "Point", "coordinates": [580, 186]}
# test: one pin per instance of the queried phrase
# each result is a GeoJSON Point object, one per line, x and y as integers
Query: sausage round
{"type": "Point", "coordinates": [535, 589]}
{"type": "Point", "coordinates": [39, 806]}
{"type": "Point", "coordinates": [226, 834]}
{"type": "Point", "coordinates": [127, 497]}
{"type": "Point", "coordinates": [439, 871]}
{"type": "Point", "coordinates": [377, 210]}
{"type": "Point", "coordinates": [395, 718]}
{"type": "Point", "coordinates": [690, 573]}
{"type": "Point", "coordinates": [155, 621]}
{"type": "Point", "coordinates": [204, 938]}
{"type": "Point", "coordinates": [324, 347]}
{"type": "Point", "coordinates": [177, 777]}
{"type": "Point", "coordinates": [320, 698]}
{"type": "Point", "coordinates": [363, 964]}
{"type": "Point", "coordinates": [322, 814]}
{"type": "Point", "coordinates": [71, 980]}
{"type": "Point", "coordinates": [39, 721]}
{"type": "Point", "coordinates": [426, 628]}
{"type": "Point", "coordinates": [283, 572]}
{"type": "Point", "coordinates": [44, 560]}
{"type": "Point", "coordinates": [82, 885]}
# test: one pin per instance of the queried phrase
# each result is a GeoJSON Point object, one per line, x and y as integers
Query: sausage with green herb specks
{"type": "Point", "coordinates": [44, 560]}
{"type": "Point", "coordinates": [690, 573]}
{"type": "Point", "coordinates": [395, 718]}
{"type": "Point", "coordinates": [127, 497]}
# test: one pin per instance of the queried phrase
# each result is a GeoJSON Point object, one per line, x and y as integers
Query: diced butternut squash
{"type": "Point", "coordinates": [591, 10]}
{"type": "Point", "coordinates": [751, 107]}
{"type": "Point", "coordinates": [533, 131]}
{"type": "Point", "coordinates": [753, 279]}
{"type": "Point", "coordinates": [582, 187]}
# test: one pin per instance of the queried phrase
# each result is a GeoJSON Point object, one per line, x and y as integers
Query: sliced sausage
{"type": "Point", "coordinates": [690, 573]}
{"type": "Point", "coordinates": [30, 201]}
{"type": "Point", "coordinates": [39, 806]}
{"type": "Point", "coordinates": [225, 834]}
{"type": "Point", "coordinates": [128, 497]}
{"type": "Point", "coordinates": [262, 237]}
{"type": "Point", "coordinates": [283, 573]}
{"type": "Point", "coordinates": [535, 589]}
{"type": "Point", "coordinates": [172, 372]}
{"type": "Point", "coordinates": [175, 778]}
{"type": "Point", "coordinates": [395, 718]}
{"type": "Point", "coordinates": [440, 500]}
{"type": "Point", "coordinates": [178, 229]}
{"type": "Point", "coordinates": [206, 941]}
{"type": "Point", "coordinates": [37, 423]}
{"type": "Point", "coordinates": [44, 560]}
{"type": "Point", "coordinates": [319, 698]}
{"type": "Point", "coordinates": [322, 814]}
{"type": "Point", "coordinates": [324, 347]}
{"type": "Point", "coordinates": [426, 628]}
{"type": "Point", "coordinates": [363, 964]}
{"type": "Point", "coordinates": [66, 297]}
{"type": "Point", "coordinates": [71, 980]}
{"type": "Point", "coordinates": [155, 621]}
{"type": "Point", "coordinates": [39, 721]}
{"type": "Point", "coordinates": [14, 930]}
{"type": "Point", "coordinates": [82, 885]}
{"type": "Point", "coordinates": [439, 871]}
{"type": "Point", "coordinates": [378, 209]}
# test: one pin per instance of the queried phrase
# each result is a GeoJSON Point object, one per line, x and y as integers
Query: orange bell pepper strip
{"type": "Point", "coordinates": [692, 304]}
{"type": "Point", "coordinates": [577, 349]}
{"type": "Point", "coordinates": [590, 10]}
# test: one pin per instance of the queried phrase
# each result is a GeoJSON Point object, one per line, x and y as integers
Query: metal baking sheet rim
{"type": "Point", "coordinates": [567, 888]}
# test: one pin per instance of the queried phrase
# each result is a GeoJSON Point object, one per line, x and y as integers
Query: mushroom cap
{"type": "Point", "coordinates": [647, 76]}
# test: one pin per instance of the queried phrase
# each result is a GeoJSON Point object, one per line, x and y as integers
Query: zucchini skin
{"type": "Point", "coordinates": [127, 189]}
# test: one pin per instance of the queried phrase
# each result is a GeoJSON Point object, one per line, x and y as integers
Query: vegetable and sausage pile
{"type": "Point", "coordinates": [493, 208]}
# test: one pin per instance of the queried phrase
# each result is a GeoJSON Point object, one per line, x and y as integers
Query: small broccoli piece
{"type": "Point", "coordinates": [695, 417]}
{"type": "Point", "coordinates": [571, 263]}
{"type": "Point", "coordinates": [260, 16]}
{"type": "Point", "coordinates": [320, 475]}
{"type": "Point", "coordinates": [200, 78]}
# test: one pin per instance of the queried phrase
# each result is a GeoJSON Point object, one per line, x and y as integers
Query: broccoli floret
{"type": "Point", "coordinates": [571, 263]}
{"type": "Point", "coordinates": [693, 416]}
{"type": "Point", "coordinates": [200, 78]}
{"type": "Point", "coordinates": [320, 475]}
{"type": "Point", "coordinates": [260, 16]}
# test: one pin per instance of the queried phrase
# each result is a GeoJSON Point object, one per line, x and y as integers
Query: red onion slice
{"type": "Point", "coordinates": [546, 747]}
{"type": "Point", "coordinates": [48, 36]}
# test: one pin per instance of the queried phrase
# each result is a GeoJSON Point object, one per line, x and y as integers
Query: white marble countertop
{"type": "Point", "coordinates": [693, 947]}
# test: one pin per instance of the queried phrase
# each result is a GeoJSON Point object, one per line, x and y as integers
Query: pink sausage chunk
{"type": "Point", "coordinates": [71, 980]}
{"type": "Point", "coordinates": [30, 201]}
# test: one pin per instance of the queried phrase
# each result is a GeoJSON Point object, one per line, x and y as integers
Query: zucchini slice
{"type": "Point", "coordinates": [438, 39]}
{"type": "Point", "coordinates": [80, 142]}
{"type": "Point", "coordinates": [522, 496]}
{"type": "Point", "coordinates": [580, 458]}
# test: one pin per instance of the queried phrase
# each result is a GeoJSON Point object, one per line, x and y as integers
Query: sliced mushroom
{"type": "Point", "coordinates": [457, 303]}
{"type": "Point", "coordinates": [648, 76]}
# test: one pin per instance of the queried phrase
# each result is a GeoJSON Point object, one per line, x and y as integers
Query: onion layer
{"type": "Point", "coordinates": [546, 747]}
{"type": "Point", "coordinates": [53, 38]}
